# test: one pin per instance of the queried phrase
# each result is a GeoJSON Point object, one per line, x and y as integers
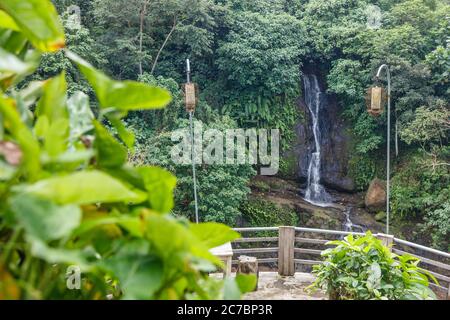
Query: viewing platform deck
{"type": "Point", "coordinates": [286, 255]}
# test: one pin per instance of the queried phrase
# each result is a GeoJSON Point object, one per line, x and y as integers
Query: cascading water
{"type": "Point", "coordinates": [349, 225]}
{"type": "Point", "coordinates": [315, 192]}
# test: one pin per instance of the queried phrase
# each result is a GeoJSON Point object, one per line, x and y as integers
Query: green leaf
{"type": "Point", "coordinates": [80, 115]}
{"type": "Point", "coordinates": [24, 137]}
{"type": "Point", "coordinates": [110, 152]}
{"type": "Point", "coordinates": [246, 283]}
{"type": "Point", "coordinates": [10, 64]}
{"type": "Point", "coordinates": [56, 139]}
{"type": "Point", "coordinates": [160, 185]}
{"type": "Point", "coordinates": [39, 22]}
{"type": "Point", "coordinates": [231, 290]}
{"type": "Point", "coordinates": [53, 103]}
{"type": "Point", "coordinates": [170, 238]}
{"type": "Point", "coordinates": [6, 171]}
{"type": "Point", "coordinates": [31, 93]}
{"type": "Point", "coordinates": [126, 135]}
{"type": "Point", "coordinates": [213, 234]}
{"type": "Point", "coordinates": [43, 219]}
{"type": "Point", "coordinates": [13, 70]}
{"type": "Point", "coordinates": [14, 42]}
{"type": "Point", "coordinates": [7, 22]}
{"type": "Point", "coordinates": [122, 95]}
{"type": "Point", "coordinates": [87, 187]}
{"type": "Point", "coordinates": [374, 279]}
{"type": "Point", "coordinates": [139, 276]}
{"type": "Point", "coordinates": [56, 255]}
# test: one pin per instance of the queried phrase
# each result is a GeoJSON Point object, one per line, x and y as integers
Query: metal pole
{"type": "Point", "coordinates": [188, 71]}
{"type": "Point", "coordinates": [388, 165]}
{"type": "Point", "coordinates": [191, 116]}
{"type": "Point", "coordinates": [191, 124]}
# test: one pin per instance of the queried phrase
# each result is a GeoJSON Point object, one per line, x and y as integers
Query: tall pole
{"type": "Point", "coordinates": [191, 123]}
{"type": "Point", "coordinates": [388, 164]}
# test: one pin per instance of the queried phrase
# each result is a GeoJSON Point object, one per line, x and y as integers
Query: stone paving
{"type": "Point", "coordinates": [271, 286]}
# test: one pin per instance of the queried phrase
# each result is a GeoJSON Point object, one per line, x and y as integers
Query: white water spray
{"type": "Point", "coordinates": [315, 192]}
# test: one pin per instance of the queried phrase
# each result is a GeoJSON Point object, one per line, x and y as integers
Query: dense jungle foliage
{"type": "Point", "coordinates": [248, 57]}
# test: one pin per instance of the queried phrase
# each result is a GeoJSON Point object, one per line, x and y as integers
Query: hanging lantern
{"type": "Point", "coordinates": [190, 96]}
{"type": "Point", "coordinates": [375, 100]}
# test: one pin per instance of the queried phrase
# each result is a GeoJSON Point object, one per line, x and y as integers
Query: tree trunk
{"type": "Point", "coordinates": [141, 34]}
{"type": "Point", "coordinates": [164, 44]}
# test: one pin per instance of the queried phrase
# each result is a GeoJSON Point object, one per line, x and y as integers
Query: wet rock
{"type": "Point", "coordinates": [375, 199]}
{"type": "Point", "coordinates": [334, 144]}
{"type": "Point", "coordinates": [380, 216]}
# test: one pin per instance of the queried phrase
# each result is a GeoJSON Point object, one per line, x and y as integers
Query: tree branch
{"type": "Point", "coordinates": [174, 26]}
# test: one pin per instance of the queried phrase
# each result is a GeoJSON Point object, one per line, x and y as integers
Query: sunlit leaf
{"type": "Point", "coordinates": [160, 185]}
{"type": "Point", "coordinates": [84, 187]}
{"type": "Point", "coordinates": [213, 234]}
{"type": "Point", "coordinates": [246, 283]}
{"type": "Point", "coordinates": [123, 95]}
{"type": "Point", "coordinates": [53, 103]}
{"type": "Point", "coordinates": [181, 240]}
{"type": "Point", "coordinates": [38, 20]}
{"type": "Point", "coordinates": [23, 136]}
{"type": "Point", "coordinates": [7, 22]}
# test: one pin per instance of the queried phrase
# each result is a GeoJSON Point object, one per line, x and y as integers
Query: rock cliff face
{"type": "Point", "coordinates": [333, 140]}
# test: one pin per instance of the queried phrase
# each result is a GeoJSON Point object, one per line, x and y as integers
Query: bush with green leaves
{"type": "Point", "coordinates": [362, 268]}
{"type": "Point", "coordinates": [221, 187]}
{"type": "Point", "coordinates": [259, 212]}
{"type": "Point", "coordinates": [68, 198]}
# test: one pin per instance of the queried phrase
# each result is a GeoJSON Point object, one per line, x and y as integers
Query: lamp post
{"type": "Point", "coordinates": [388, 162]}
{"type": "Point", "coordinates": [191, 101]}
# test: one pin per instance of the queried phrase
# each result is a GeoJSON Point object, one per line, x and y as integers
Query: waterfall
{"type": "Point", "coordinates": [349, 225]}
{"type": "Point", "coordinates": [315, 192]}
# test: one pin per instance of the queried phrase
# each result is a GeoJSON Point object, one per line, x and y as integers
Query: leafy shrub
{"type": "Point", "coordinates": [422, 191]}
{"type": "Point", "coordinates": [363, 268]}
{"type": "Point", "coordinates": [68, 198]}
{"type": "Point", "coordinates": [259, 212]}
{"type": "Point", "coordinates": [221, 188]}
{"type": "Point", "coordinates": [362, 169]}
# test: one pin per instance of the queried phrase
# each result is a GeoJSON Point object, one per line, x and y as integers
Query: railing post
{"type": "Point", "coordinates": [448, 292]}
{"type": "Point", "coordinates": [386, 239]}
{"type": "Point", "coordinates": [286, 239]}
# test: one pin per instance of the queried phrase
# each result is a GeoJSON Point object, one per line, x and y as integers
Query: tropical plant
{"type": "Point", "coordinates": [69, 202]}
{"type": "Point", "coordinates": [363, 268]}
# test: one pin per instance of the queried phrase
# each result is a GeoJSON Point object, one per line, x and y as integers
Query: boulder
{"type": "Point", "coordinates": [380, 216]}
{"type": "Point", "coordinates": [375, 199]}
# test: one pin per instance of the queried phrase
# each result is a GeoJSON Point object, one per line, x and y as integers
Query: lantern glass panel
{"type": "Point", "coordinates": [375, 100]}
{"type": "Point", "coordinates": [190, 97]}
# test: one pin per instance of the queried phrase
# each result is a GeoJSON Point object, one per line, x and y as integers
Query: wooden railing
{"type": "Point", "coordinates": [289, 248]}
